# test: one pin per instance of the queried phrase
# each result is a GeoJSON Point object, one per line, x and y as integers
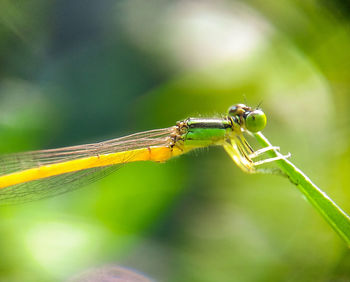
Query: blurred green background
{"type": "Point", "coordinates": [73, 72]}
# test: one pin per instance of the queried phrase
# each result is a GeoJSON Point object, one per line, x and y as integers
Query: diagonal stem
{"type": "Point", "coordinates": [333, 214]}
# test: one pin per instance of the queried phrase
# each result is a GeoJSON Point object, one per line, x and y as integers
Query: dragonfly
{"type": "Point", "coordinates": [40, 174]}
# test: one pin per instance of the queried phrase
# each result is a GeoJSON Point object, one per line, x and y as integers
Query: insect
{"type": "Point", "coordinates": [38, 174]}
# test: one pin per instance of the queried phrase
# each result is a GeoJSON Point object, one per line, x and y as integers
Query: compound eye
{"type": "Point", "coordinates": [236, 110]}
{"type": "Point", "coordinates": [255, 121]}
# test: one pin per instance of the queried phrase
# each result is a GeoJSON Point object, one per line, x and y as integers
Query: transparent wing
{"type": "Point", "coordinates": [21, 161]}
{"type": "Point", "coordinates": [55, 185]}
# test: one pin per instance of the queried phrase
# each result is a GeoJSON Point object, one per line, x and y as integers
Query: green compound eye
{"type": "Point", "coordinates": [255, 121]}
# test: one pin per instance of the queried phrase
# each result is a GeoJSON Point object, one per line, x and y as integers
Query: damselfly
{"type": "Point", "coordinates": [39, 174]}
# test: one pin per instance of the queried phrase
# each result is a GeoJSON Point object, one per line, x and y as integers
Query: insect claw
{"type": "Point", "coordinates": [263, 150]}
{"type": "Point", "coordinates": [280, 157]}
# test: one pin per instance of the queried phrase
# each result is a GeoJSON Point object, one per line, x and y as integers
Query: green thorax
{"type": "Point", "coordinates": [206, 131]}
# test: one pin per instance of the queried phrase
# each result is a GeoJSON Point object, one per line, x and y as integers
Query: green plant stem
{"type": "Point", "coordinates": [333, 214]}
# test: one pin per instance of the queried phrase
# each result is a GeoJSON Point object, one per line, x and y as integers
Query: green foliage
{"type": "Point", "coordinates": [75, 72]}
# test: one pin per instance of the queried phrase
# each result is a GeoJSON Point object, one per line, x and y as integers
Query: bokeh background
{"type": "Point", "coordinates": [73, 72]}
